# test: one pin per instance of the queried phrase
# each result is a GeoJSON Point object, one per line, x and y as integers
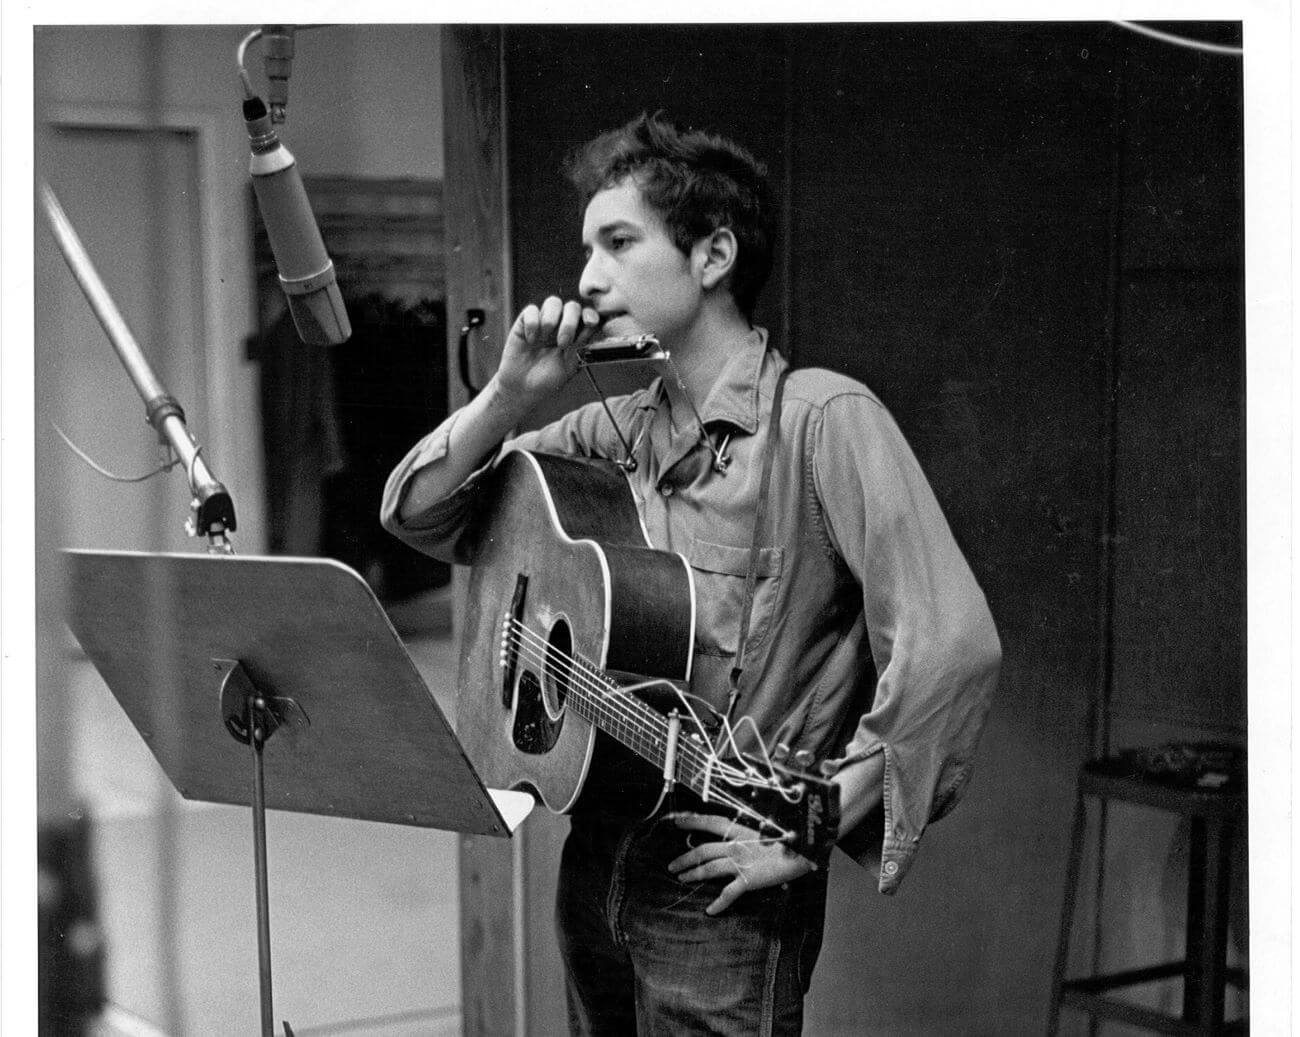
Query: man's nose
{"type": "Point", "coordinates": [591, 285]}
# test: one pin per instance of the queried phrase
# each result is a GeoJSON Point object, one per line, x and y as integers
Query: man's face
{"type": "Point", "coordinates": [635, 277]}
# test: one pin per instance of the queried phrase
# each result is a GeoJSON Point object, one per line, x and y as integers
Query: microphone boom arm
{"type": "Point", "coordinates": [213, 510]}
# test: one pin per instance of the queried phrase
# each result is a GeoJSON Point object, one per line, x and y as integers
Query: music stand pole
{"type": "Point", "coordinates": [252, 717]}
{"type": "Point", "coordinates": [259, 854]}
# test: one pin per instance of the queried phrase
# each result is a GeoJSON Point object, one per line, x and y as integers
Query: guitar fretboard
{"type": "Point", "coordinates": [803, 815]}
{"type": "Point", "coordinates": [620, 714]}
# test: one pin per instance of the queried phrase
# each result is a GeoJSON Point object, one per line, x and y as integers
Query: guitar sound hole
{"type": "Point", "coordinates": [558, 668]}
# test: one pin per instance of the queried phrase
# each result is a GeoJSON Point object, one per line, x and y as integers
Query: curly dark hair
{"type": "Point", "coordinates": [696, 181]}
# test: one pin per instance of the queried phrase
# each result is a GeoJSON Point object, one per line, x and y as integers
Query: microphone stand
{"type": "Point", "coordinates": [212, 510]}
{"type": "Point", "coordinates": [213, 515]}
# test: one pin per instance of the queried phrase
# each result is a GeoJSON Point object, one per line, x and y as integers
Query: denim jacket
{"type": "Point", "coordinates": [868, 633]}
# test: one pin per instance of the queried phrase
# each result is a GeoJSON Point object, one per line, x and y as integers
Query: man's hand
{"type": "Point", "coordinates": [741, 854]}
{"type": "Point", "coordinates": [541, 350]}
{"type": "Point", "coordinates": [540, 355]}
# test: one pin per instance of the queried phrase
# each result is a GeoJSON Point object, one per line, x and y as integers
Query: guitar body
{"type": "Point", "coordinates": [561, 569]}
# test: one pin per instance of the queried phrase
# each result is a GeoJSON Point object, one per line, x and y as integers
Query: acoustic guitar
{"type": "Point", "coordinates": [569, 609]}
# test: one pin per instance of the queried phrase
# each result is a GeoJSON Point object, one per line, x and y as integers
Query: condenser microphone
{"type": "Point", "coordinates": [305, 270]}
{"type": "Point", "coordinates": [277, 53]}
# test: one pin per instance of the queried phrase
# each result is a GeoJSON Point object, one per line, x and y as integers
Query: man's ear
{"type": "Point", "coordinates": [715, 256]}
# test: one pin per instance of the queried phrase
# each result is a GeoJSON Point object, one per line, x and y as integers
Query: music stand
{"type": "Point", "coordinates": [213, 656]}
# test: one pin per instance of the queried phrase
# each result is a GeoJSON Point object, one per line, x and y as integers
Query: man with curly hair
{"type": "Point", "coordinates": [868, 647]}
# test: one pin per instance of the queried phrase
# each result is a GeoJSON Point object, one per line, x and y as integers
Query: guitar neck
{"type": "Point", "coordinates": [640, 727]}
{"type": "Point", "coordinates": [801, 810]}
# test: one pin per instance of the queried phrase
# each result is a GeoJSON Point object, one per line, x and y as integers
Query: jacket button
{"type": "Point", "coordinates": [666, 490]}
{"type": "Point", "coordinates": [891, 867]}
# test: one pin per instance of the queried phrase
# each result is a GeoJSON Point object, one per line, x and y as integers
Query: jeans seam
{"type": "Point", "coordinates": [767, 1021]}
{"type": "Point", "coordinates": [614, 902]}
{"type": "Point", "coordinates": [798, 960]}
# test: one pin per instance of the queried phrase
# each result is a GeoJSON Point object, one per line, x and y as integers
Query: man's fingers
{"type": "Point", "coordinates": [570, 320]}
{"type": "Point", "coordinates": [588, 327]}
{"type": "Point", "coordinates": [705, 862]}
{"type": "Point", "coordinates": [706, 823]}
{"type": "Point", "coordinates": [527, 323]}
{"type": "Point", "coordinates": [552, 312]}
{"type": "Point", "coordinates": [698, 855]}
{"type": "Point", "coordinates": [731, 892]}
{"type": "Point", "coordinates": [555, 323]}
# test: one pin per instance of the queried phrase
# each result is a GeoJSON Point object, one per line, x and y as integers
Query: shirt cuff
{"type": "Point", "coordinates": [883, 842]}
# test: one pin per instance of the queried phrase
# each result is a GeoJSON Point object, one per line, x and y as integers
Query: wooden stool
{"type": "Point", "coordinates": [1214, 814]}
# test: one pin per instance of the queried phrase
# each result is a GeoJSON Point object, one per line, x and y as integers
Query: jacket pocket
{"type": "Point", "coordinates": [720, 571]}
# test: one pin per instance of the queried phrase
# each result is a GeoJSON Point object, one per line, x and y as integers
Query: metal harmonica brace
{"type": "Point", "coordinates": [644, 347]}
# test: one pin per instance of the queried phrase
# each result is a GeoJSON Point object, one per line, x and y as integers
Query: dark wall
{"type": "Point", "coordinates": [1027, 241]}
{"type": "Point", "coordinates": [953, 186]}
{"type": "Point", "coordinates": [1180, 394]}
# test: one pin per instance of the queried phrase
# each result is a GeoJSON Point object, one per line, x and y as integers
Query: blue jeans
{"type": "Point", "coordinates": [641, 956]}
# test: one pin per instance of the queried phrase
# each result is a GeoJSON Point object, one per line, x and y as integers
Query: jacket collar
{"type": "Point", "coordinates": [734, 398]}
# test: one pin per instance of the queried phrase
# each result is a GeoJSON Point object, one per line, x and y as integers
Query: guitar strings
{"type": "Point", "coordinates": [603, 703]}
{"type": "Point", "coordinates": [609, 699]}
{"type": "Point", "coordinates": [635, 709]}
{"type": "Point", "coordinates": [789, 795]}
{"type": "Point", "coordinates": [639, 710]}
{"type": "Point", "coordinates": [602, 706]}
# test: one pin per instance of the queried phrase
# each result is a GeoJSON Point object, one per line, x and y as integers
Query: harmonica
{"type": "Point", "coordinates": [619, 350]}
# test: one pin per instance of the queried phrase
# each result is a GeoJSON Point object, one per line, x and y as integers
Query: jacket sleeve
{"type": "Point", "coordinates": [439, 529]}
{"type": "Point", "coordinates": [933, 642]}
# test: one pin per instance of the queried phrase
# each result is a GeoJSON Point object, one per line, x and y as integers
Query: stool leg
{"type": "Point", "coordinates": [1067, 913]}
{"type": "Point", "coordinates": [1208, 868]}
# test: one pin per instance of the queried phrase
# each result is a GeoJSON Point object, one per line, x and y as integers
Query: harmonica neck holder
{"type": "Point", "coordinates": [628, 464]}
{"type": "Point", "coordinates": [645, 347]}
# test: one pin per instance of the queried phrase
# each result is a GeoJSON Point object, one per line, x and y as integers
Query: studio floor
{"type": "Point", "coordinates": [363, 916]}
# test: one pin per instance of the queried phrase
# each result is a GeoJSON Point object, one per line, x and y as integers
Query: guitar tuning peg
{"type": "Point", "coordinates": [780, 753]}
{"type": "Point", "coordinates": [803, 759]}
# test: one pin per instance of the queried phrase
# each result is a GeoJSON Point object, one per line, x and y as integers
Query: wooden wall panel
{"type": "Point", "coordinates": [478, 276]}
{"type": "Point", "coordinates": [477, 224]}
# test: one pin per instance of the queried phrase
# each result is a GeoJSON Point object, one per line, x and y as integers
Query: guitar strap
{"type": "Point", "coordinates": [760, 522]}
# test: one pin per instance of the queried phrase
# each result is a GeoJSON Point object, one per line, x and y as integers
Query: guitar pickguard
{"type": "Point", "coordinates": [534, 731]}
{"type": "Point", "coordinates": [538, 699]}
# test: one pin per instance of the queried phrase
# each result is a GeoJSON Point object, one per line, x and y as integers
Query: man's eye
{"type": "Point", "coordinates": [619, 241]}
